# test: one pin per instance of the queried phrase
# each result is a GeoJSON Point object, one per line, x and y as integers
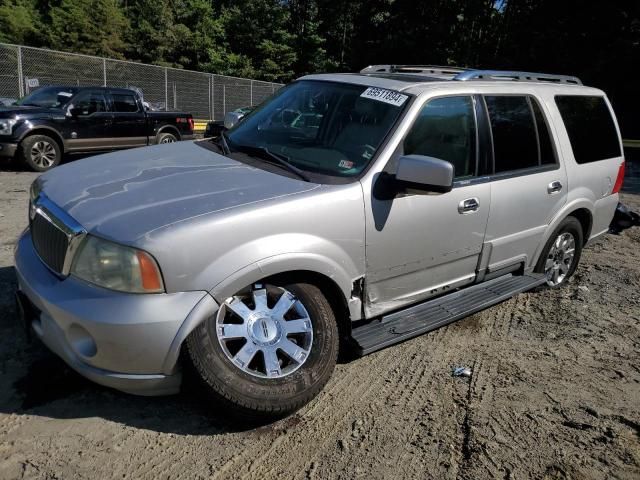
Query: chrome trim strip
{"type": "Point", "coordinates": [64, 222]}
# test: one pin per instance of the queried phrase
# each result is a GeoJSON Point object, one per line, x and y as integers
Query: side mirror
{"type": "Point", "coordinates": [422, 174]}
{"type": "Point", "coordinates": [232, 118]}
{"type": "Point", "coordinates": [75, 112]}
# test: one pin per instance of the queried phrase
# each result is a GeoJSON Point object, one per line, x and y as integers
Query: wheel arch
{"type": "Point", "coordinates": [582, 210]}
{"type": "Point", "coordinates": [49, 132]}
{"type": "Point", "coordinates": [585, 217]}
{"type": "Point", "coordinates": [330, 289]}
{"type": "Point", "coordinates": [209, 305]}
{"type": "Point", "coordinates": [168, 129]}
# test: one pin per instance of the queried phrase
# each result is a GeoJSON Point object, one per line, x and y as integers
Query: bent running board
{"type": "Point", "coordinates": [413, 321]}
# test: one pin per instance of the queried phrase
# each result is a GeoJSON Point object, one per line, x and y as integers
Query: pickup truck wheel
{"type": "Point", "coordinates": [268, 351]}
{"type": "Point", "coordinates": [562, 252]}
{"type": "Point", "coordinates": [167, 138]}
{"type": "Point", "coordinates": [40, 152]}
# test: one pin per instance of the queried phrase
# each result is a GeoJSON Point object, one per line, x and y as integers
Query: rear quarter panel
{"type": "Point", "coordinates": [590, 184]}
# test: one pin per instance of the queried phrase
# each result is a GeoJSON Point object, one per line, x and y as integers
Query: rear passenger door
{"type": "Point", "coordinates": [528, 183]}
{"type": "Point", "coordinates": [129, 127]}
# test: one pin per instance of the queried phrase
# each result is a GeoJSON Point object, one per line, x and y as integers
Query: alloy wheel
{"type": "Point", "coordinates": [43, 154]}
{"type": "Point", "coordinates": [266, 333]}
{"type": "Point", "coordinates": [560, 259]}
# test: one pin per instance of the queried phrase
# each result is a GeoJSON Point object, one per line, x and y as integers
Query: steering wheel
{"type": "Point", "coordinates": [289, 112]}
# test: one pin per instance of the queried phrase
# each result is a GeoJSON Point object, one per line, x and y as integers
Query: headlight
{"type": "Point", "coordinates": [34, 193]}
{"type": "Point", "coordinates": [117, 267]}
{"type": "Point", "coordinates": [6, 126]}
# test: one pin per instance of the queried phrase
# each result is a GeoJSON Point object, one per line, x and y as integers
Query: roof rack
{"type": "Point", "coordinates": [464, 74]}
{"type": "Point", "coordinates": [516, 76]}
{"type": "Point", "coordinates": [419, 69]}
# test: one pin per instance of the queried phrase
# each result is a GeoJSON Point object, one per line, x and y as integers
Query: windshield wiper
{"type": "Point", "coordinates": [278, 159]}
{"type": "Point", "coordinates": [223, 144]}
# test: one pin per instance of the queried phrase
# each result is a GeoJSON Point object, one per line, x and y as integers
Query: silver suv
{"type": "Point", "coordinates": [353, 210]}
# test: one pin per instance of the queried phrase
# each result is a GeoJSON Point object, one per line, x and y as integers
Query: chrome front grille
{"type": "Point", "coordinates": [50, 242]}
{"type": "Point", "coordinates": [55, 235]}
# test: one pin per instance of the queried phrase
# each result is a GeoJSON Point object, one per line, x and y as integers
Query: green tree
{"type": "Point", "coordinates": [96, 27]}
{"type": "Point", "coordinates": [20, 22]}
{"type": "Point", "coordinates": [257, 33]}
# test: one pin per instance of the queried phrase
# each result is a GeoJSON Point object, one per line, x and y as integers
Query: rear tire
{"type": "Point", "coordinates": [166, 137]}
{"type": "Point", "coordinates": [561, 254]}
{"type": "Point", "coordinates": [250, 389]}
{"type": "Point", "coordinates": [40, 153]}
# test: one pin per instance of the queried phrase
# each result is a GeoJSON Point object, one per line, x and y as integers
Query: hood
{"type": "Point", "coordinates": [27, 112]}
{"type": "Point", "coordinates": [128, 194]}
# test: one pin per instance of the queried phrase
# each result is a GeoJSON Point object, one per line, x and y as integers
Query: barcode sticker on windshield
{"type": "Point", "coordinates": [384, 95]}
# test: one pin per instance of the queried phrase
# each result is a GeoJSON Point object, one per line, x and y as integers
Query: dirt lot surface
{"type": "Point", "coordinates": [555, 393]}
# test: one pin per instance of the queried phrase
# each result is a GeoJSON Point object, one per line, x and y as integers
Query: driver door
{"type": "Point", "coordinates": [422, 245]}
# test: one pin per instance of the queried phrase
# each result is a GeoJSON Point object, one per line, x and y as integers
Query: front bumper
{"type": "Point", "coordinates": [8, 149]}
{"type": "Point", "coordinates": [125, 341]}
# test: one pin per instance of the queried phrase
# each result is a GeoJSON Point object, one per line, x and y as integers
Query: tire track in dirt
{"type": "Point", "coordinates": [318, 438]}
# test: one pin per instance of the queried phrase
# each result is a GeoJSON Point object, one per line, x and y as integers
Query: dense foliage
{"type": "Point", "coordinates": [281, 39]}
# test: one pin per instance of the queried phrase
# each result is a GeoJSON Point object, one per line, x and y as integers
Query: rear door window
{"type": "Point", "coordinates": [590, 126]}
{"type": "Point", "coordinates": [124, 102]}
{"type": "Point", "coordinates": [547, 151]}
{"type": "Point", "coordinates": [515, 143]}
{"type": "Point", "coordinates": [446, 129]}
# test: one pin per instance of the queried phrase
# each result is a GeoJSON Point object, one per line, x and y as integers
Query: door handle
{"type": "Point", "coordinates": [469, 205]}
{"type": "Point", "coordinates": [554, 187]}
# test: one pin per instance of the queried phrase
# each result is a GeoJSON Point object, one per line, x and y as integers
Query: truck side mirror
{"type": "Point", "coordinates": [232, 118]}
{"type": "Point", "coordinates": [422, 174]}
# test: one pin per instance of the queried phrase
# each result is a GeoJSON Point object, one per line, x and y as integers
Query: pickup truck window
{"type": "Point", "coordinates": [48, 97]}
{"type": "Point", "coordinates": [327, 128]}
{"type": "Point", "coordinates": [446, 129]}
{"type": "Point", "coordinates": [88, 103]}
{"type": "Point", "coordinates": [590, 126]}
{"type": "Point", "coordinates": [123, 102]}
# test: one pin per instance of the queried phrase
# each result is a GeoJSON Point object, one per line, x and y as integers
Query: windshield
{"type": "Point", "coordinates": [49, 97]}
{"type": "Point", "coordinates": [322, 127]}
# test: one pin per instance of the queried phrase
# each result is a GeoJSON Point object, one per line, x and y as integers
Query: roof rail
{"type": "Point", "coordinates": [417, 69]}
{"type": "Point", "coordinates": [516, 76]}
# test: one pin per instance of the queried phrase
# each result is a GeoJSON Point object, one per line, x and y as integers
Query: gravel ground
{"type": "Point", "coordinates": [555, 393]}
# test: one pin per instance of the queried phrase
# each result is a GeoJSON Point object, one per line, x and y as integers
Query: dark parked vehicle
{"type": "Point", "coordinates": [56, 120]}
{"type": "Point", "coordinates": [6, 102]}
{"type": "Point", "coordinates": [216, 127]}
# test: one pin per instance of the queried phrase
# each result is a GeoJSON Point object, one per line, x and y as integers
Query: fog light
{"type": "Point", "coordinates": [81, 341]}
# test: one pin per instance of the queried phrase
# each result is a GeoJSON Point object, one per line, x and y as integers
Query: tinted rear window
{"type": "Point", "coordinates": [590, 126]}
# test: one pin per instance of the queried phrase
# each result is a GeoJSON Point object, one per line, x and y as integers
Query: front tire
{"type": "Point", "coordinates": [268, 352]}
{"type": "Point", "coordinates": [561, 254]}
{"type": "Point", "coordinates": [40, 153]}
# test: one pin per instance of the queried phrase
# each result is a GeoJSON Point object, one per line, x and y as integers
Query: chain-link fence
{"type": "Point", "coordinates": [204, 95]}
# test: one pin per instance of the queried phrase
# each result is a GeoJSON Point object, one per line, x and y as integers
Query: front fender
{"type": "Point", "coordinates": [29, 126]}
{"type": "Point", "coordinates": [283, 263]}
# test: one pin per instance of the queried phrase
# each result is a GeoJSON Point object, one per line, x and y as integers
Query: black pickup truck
{"type": "Point", "coordinates": [52, 121]}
